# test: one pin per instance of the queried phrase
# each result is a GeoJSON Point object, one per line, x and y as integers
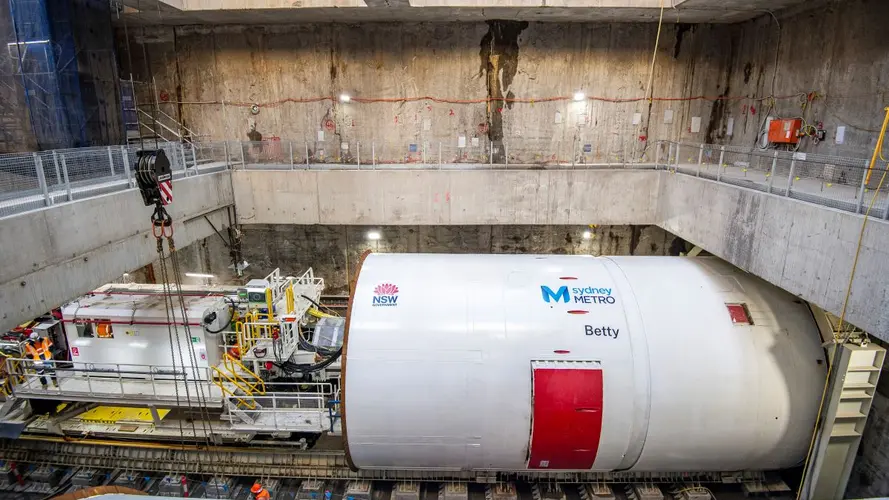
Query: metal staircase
{"type": "Point", "coordinates": [240, 385]}
{"type": "Point", "coordinates": [147, 122]}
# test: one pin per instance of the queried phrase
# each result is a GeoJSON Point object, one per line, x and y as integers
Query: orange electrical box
{"type": "Point", "coordinates": [785, 131]}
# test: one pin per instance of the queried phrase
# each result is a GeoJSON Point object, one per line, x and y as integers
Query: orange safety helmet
{"type": "Point", "coordinates": [256, 488]}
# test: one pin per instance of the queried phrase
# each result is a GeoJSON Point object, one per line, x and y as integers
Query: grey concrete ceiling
{"type": "Point", "coordinates": [181, 12]}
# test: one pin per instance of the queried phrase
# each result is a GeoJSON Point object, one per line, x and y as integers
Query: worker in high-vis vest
{"type": "Point", "coordinates": [39, 350]}
{"type": "Point", "coordinates": [259, 493]}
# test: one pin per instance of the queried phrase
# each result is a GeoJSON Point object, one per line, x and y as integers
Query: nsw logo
{"type": "Point", "coordinates": [385, 295]}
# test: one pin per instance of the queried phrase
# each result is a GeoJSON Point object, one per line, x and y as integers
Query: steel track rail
{"type": "Point", "coordinates": [287, 463]}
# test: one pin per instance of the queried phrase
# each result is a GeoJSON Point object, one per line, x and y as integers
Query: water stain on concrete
{"type": "Point", "coordinates": [498, 63]}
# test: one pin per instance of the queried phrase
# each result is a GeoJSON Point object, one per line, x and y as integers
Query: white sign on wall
{"type": "Point", "coordinates": [695, 124]}
{"type": "Point", "coordinates": [841, 135]}
{"type": "Point", "coordinates": [668, 116]}
{"type": "Point", "coordinates": [730, 127]}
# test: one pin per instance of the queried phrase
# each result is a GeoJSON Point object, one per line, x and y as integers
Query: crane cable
{"type": "Point", "coordinates": [203, 407]}
{"type": "Point", "coordinates": [171, 327]}
{"type": "Point", "coordinates": [202, 397]}
{"type": "Point", "coordinates": [173, 331]}
{"type": "Point", "coordinates": [162, 226]}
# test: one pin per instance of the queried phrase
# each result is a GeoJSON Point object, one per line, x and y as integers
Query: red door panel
{"type": "Point", "coordinates": [567, 418]}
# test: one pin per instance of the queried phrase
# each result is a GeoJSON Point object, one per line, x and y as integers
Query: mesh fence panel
{"type": "Point", "coordinates": [18, 173]}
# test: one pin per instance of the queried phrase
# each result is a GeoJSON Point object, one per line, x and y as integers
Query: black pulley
{"type": "Point", "coordinates": [154, 177]}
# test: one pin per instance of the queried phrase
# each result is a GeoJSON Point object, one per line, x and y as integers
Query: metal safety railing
{"type": "Point", "coordinates": [292, 407]}
{"type": "Point", "coordinates": [30, 181]}
{"type": "Point", "coordinates": [832, 181]}
{"type": "Point", "coordinates": [463, 152]}
{"type": "Point", "coordinates": [176, 385]}
{"type": "Point", "coordinates": [255, 328]}
{"type": "Point", "coordinates": [34, 180]}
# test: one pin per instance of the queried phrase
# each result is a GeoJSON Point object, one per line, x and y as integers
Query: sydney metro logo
{"type": "Point", "coordinates": [385, 294]}
{"type": "Point", "coordinates": [582, 295]}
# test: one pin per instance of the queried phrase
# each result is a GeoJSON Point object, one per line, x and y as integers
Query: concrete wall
{"type": "Point", "coordinates": [836, 50]}
{"type": "Point", "coordinates": [803, 248]}
{"type": "Point", "coordinates": [333, 250]}
{"type": "Point", "coordinates": [54, 254]}
{"type": "Point", "coordinates": [212, 74]}
{"type": "Point", "coordinates": [447, 197]}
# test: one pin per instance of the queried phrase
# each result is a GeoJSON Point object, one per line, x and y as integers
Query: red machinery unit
{"type": "Point", "coordinates": [785, 131]}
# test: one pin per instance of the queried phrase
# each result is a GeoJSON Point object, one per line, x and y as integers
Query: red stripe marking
{"type": "Point", "coordinates": [577, 311]}
{"type": "Point", "coordinates": [568, 278]}
{"type": "Point", "coordinates": [150, 323]}
{"type": "Point", "coordinates": [562, 351]}
{"type": "Point", "coordinates": [185, 293]}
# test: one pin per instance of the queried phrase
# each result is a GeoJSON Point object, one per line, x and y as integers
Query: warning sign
{"type": "Point", "coordinates": [75, 351]}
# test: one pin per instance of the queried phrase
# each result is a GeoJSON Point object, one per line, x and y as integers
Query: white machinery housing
{"type": "Point", "coordinates": [516, 362]}
{"type": "Point", "coordinates": [108, 328]}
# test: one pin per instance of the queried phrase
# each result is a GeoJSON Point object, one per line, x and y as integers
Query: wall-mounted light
{"type": "Point", "coordinates": [29, 42]}
{"type": "Point", "coordinates": [345, 98]}
{"type": "Point", "coordinates": [200, 275]}
{"type": "Point", "coordinates": [373, 235]}
{"type": "Point", "coordinates": [587, 235]}
{"type": "Point", "coordinates": [579, 96]}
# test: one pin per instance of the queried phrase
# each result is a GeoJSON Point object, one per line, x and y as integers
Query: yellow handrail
{"type": "Point", "coordinates": [251, 404]}
{"type": "Point", "coordinates": [13, 374]}
{"type": "Point", "coordinates": [231, 363]}
{"type": "Point", "coordinates": [250, 389]}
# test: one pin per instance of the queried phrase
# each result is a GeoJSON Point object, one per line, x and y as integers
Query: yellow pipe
{"type": "Point", "coordinates": [318, 314]}
{"type": "Point", "coordinates": [877, 150]}
{"type": "Point", "coordinates": [268, 291]}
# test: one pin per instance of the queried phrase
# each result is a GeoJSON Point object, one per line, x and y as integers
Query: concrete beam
{"type": "Point", "coordinates": [446, 197]}
{"type": "Point", "coordinates": [803, 248]}
{"type": "Point", "coordinates": [54, 254]}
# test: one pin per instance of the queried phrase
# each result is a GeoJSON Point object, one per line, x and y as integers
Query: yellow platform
{"type": "Point", "coordinates": [115, 414]}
